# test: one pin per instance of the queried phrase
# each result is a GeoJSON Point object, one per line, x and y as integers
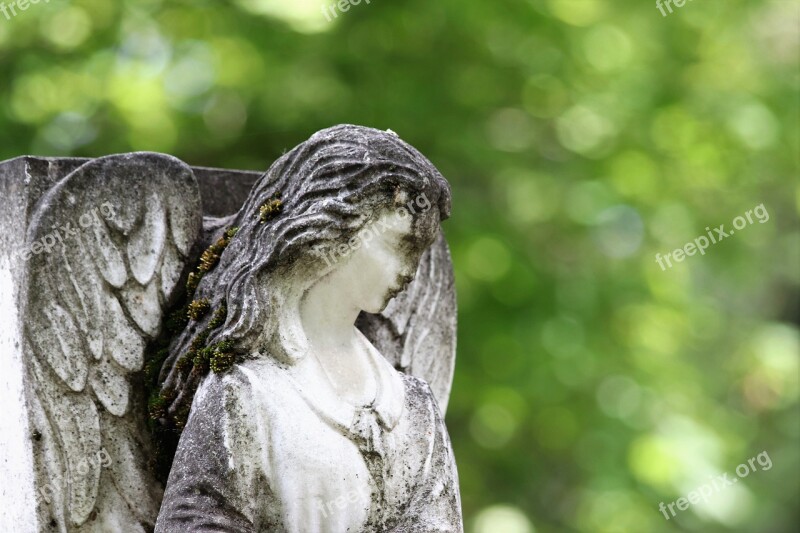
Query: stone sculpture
{"type": "Point", "coordinates": [220, 354]}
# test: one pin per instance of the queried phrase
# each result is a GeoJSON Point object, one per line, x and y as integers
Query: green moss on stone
{"type": "Point", "coordinates": [153, 365]}
{"type": "Point", "coordinates": [157, 407]}
{"type": "Point", "coordinates": [193, 282]}
{"type": "Point", "coordinates": [198, 308]}
{"type": "Point", "coordinates": [176, 321]}
{"type": "Point", "coordinates": [222, 356]}
{"type": "Point", "coordinates": [219, 317]}
{"type": "Point", "coordinates": [181, 416]}
{"type": "Point", "coordinates": [271, 209]}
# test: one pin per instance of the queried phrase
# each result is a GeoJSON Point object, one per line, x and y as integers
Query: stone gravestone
{"type": "Point", "coordinates": [180, 350]}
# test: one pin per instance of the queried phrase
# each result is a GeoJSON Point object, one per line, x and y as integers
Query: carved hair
{"type": "Point", "coordinates": [330, 187]}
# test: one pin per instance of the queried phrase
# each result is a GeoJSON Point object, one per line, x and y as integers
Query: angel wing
{"type": "Point", "coordinates": [417, 330]}
{"type": "Point", "coordinates": [113, 239]}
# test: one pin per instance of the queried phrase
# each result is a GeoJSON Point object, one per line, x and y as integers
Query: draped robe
{"type": "Point", "coordinates": [272, 447]}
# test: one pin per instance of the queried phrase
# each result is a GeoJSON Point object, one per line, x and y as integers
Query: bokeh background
{"type": "Point", "coordinates": [581, 137]}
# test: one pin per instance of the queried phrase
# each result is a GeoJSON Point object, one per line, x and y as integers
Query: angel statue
{"type": "Point", "coordinates": [285, 368]}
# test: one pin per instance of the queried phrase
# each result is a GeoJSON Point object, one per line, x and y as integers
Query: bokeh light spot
{"type": "Point", "coordinates": [68, 27]}
{"type": "Point", "coordinates": [488, 259]}
{"type": "Point", "coordinates": [510, 130]}
{"type": "Point", "coordinates": [607, 48]}
{"type": "Point", "coordinates": [493, 425]}
{"type": "Point", "coordinates": [502, 519]}
{"type": "Point", "coordinates": [585, 131]}
{"type": "Point", "coordinates": [618, 231]}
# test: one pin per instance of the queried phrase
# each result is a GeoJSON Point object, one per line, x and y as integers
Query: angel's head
{"type": "Point", "coordinates": [379, 261]}
{"type": "Point", "coordinates": [354, 205]}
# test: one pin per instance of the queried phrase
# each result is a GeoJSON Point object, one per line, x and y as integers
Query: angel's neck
{"type": "Point", "coordinates": [329, 325]}
{"type": "Point", "coordinates": [328, 321]}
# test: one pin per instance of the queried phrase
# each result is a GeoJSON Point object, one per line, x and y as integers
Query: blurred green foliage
{"type": "Point", "coordinates": [581, 137]}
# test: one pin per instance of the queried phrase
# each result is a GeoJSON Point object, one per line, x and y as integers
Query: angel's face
{"type": "Point", "coordinates": [382, 262]}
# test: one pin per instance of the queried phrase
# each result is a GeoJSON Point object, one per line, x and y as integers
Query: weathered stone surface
{"type": "Point", "coordinates": [87, 266]}
{"type": "Point", "coordinates": [222, 191]}
{"type": "Point", "coordinates": [96, 256]}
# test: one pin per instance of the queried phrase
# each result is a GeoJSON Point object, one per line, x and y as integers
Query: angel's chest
{"type": "Point", "coordinates": [327, 476]}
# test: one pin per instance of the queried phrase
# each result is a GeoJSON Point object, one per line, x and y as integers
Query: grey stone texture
{"type": "Point", "coordinates": [96, 252]}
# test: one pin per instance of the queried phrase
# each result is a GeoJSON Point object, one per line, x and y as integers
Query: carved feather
{"type": "Point", "coordinates": [146, 242]}
{"type": "Point", "coordinates": [96, 298]}
{"type": "Point", "coordinates": [77, 430]}
{"type": "Point", "coordinates": [107, 257]}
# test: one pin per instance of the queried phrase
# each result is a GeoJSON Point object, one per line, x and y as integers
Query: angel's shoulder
{"type": "Point", "coordinates": [415, 385]}
{"type": "Point", "coordinates": [241, 385]}
{"type": "Point", "coordinates": [231, 387]}
{"type": "Point", "coordinates": [419, 395]}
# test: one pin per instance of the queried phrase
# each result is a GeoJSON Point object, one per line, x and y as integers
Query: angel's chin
{"type": "Point", "coordinates": [376, 309]}
{"type": "Point", "coordinates": [379, 306]}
